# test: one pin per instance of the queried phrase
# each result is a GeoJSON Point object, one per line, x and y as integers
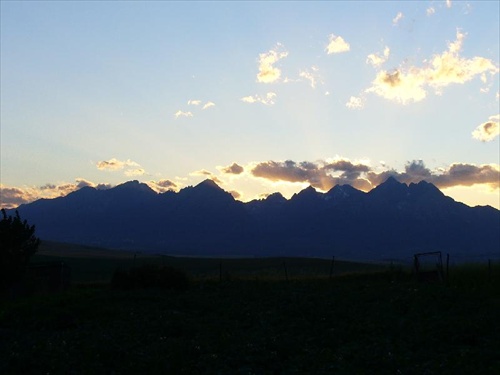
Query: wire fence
{"type": "Point", "coordinates": [101, 269]}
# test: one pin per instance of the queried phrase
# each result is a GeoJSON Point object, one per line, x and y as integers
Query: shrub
{"type": "Point", "coordinates": [150, 276]}
{"type": "Point", "coordinates": [17, 244]}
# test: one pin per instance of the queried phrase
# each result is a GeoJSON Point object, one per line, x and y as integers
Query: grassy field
{"type": "Point", "coordinates": [362, 321]}
{"type": "Point", "coordinates": [91, 265]}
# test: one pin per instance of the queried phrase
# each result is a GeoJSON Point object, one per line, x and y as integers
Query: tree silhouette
{"type": "Point", "coordinates": [17, 244]}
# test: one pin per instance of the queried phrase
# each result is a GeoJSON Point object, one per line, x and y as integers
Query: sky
{"type": "Point", "coordinates": [260, 97]}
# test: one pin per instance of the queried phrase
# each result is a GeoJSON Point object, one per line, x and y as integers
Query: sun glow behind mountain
{"type": "Point", "coordinates": [257, 97]}
{"type": "Point", "coordinates": [389, 222]}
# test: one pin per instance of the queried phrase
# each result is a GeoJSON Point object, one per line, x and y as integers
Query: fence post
{"type": "Point", "coordinates": [61, 277]}
{"type": "Point", "coordinates": [286, 271]}
{"type": "Point", "coordinates": [447, 267]}
{"type": "Point", "coordinates": [489, 269]}
{"type": "Point", "coordinates": [331, 267]}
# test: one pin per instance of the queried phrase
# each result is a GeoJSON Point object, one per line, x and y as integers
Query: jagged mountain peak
{"type": "Point", "coordinates": [425, 187]}
{"type": "Point", "coordinates": [307, 192]}
{"type": "Point", "coordinates": [392, 184]}
{"type": "Point", "coordinates": [390, 187]}
{"type": "Point", "coordinates": [343, 191]}
{"type": "Point", "coordinates": [275, 198]}
{"type": "Point", "coordinates": [133, 185]}
{"type": "Point", "coordinates": [392, 180]}
{"type": "Point", "coordinates": [204, 219]}
{"type": "Point", "coordinates": [206, 189]}
{"type": "Point", "coordinates": [208, 184]}
{"type": "Point", "coordinates": [85, 190]}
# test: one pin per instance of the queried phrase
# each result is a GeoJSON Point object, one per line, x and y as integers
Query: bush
{"type": "Point", "coordinates": [17, 244]}
{"type": "Point", "coordinates": [150, 276]}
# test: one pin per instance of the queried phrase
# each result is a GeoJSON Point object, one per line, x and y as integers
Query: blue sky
{"type": "Point", "coordinates": [259, 96]}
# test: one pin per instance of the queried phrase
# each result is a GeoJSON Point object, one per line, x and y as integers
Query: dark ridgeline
{"type": "Point", "coordinates": [392, 221]}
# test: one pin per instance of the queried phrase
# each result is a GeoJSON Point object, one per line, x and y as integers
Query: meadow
{"type": "Point", "coordinates": [251, 317]}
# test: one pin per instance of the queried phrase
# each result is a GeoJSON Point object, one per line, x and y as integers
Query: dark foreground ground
{"type": "Point", "coordinates": [382, 323]}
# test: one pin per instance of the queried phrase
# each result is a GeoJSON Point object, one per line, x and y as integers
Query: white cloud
{"type": "Point", "coordinates": [399, 86]}
{"type": "Point", "coordinates": [249, 99]}
{"type": "Point", "coordinates": [208, 105]}
{"type": "Point", "coordinates": [355, 103]}
{"type": "Point", "coordinates": [131, 168]}
{"type": "Point", "coordinates": [410, 84]}
{"type": "Point", "coordinates": [449, 67]}
{"type": "Point", "coordinates": [268, 73]}
{"type": "Point", "coordinates": [194, 102]}
{"type": "Point", "coordinates": [134, 172]}
{"type": "Point", "coordinates": [267, 100]}
{"type": "Point", "coordinates": [313, 77]}
{"type": "Point", "coordinates": [448, 3]}
{"type": "Point", "coordinates": [336, 44]}
{"type": "Point", "coordinates": [489, 130]}
{"type": "Point", "coordinates": [180, 113]}
{"type": "Point", "coordinates": [398, 18]}
{"type": "Point", "coordinates": [430, 11]}
{"type": "Point", "coordinates": [376, 59]}
{"type": "Point", "coordinates": [290, 80]}
{"type": "Point", "coordinates": [114, 164]}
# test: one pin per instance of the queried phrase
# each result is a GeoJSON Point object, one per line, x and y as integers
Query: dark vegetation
{"type": "Point", "coordinates": [150, 276]}
{"type": "Point", "coordinates": [242, 316]}
{"type": "Point", "coordinates": [17, 244]}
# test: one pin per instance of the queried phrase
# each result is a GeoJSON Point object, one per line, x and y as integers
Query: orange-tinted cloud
{"type": "Point", "coordinates": [115, 164]}
{"type": "Point", "coordinates": [324, 175]}
{"type": "Point", "coordinates": [163, 185]}
{"type": "Point", "coordinates": [11, 197]}
{"type": "Point", "coordinates": [131, 168]}
{"type": "Point", "coordinates": [405, 85]}
{"type": "Point", "coordinates": [233, 169]}
{"type": "Point", "coordinates": [488, 130]}
{"type": "Point", "coordinates": [134, 172]}
{"type": "Point", "coordinates": [235, 194]}
{"type": "Point", "coordinates": [457, 174]}
{"type": "Point", "coordinates": [318, 174]}
{"type": "Point", "coordinates": [208, 174]}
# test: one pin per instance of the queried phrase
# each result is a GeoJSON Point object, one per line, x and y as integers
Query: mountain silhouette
{"type": "Point", "coordinates": [392, 221]}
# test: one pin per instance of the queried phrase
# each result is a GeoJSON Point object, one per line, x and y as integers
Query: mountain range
{"type": "Point", "coordinates": [392, 221]}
